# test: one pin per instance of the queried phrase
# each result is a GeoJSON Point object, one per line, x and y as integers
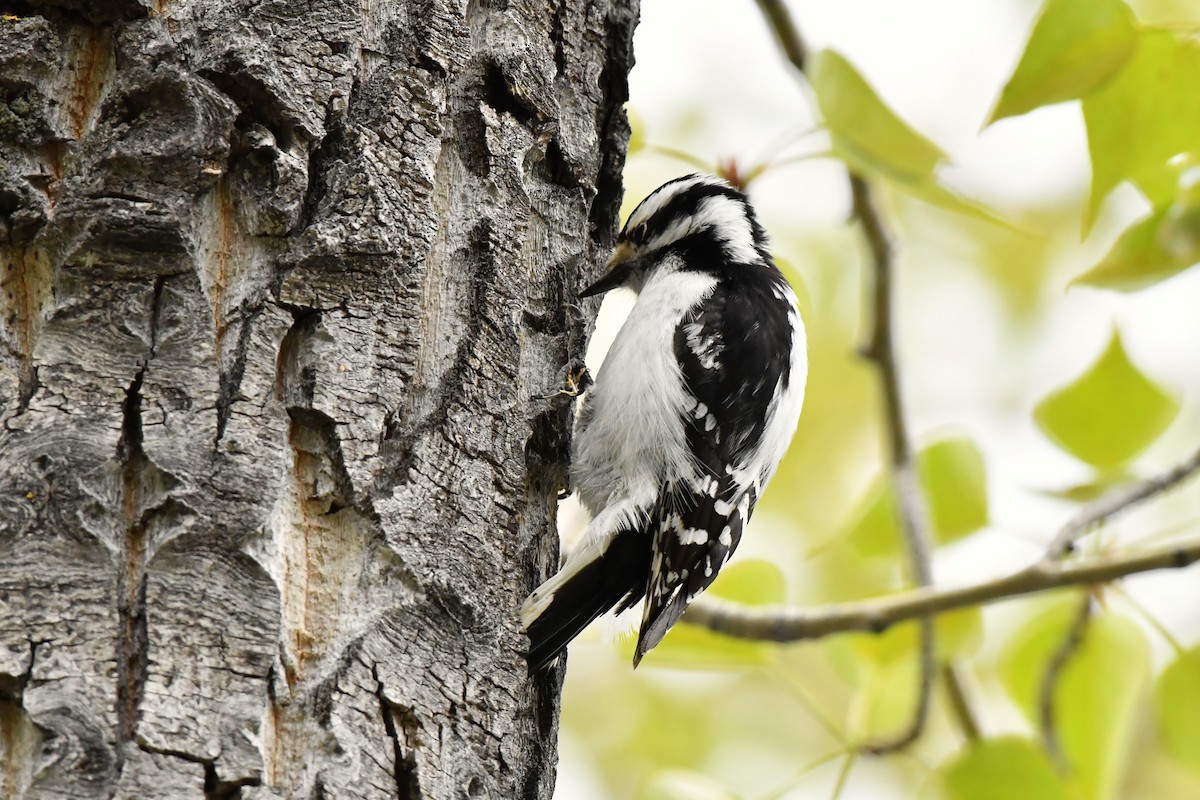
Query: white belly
{"type": "Point", "coordinates": [631, 433]}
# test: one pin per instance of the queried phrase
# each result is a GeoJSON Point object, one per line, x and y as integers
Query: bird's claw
{"type": "Point", "coordinates": [576, 382]}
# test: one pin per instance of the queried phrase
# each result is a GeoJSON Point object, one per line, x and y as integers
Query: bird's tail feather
{"type": "Point", "coordinates": [592, 582]}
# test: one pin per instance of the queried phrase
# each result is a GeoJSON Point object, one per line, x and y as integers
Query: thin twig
{"type": "Point", "coordinates": [777, 624]}
{"type": "Point", "coordinates": [1117, 501]}
{"type": "Point", "coordinates": [960, 706]}
{"type": "Point", "coordinates": [1058, 662]}
{"type": "Point", "coordinates": [811, 704]}
{"type": "Point", "coordinates": [1151, 620]}
{"type": "Point", "coordinates": [910, 502]}
{"type": "Point", "coordinates": [786, 32]}
{"type": "Point", "coordinates": [807, 768]}
{"type": "Point", "coordinates": [843, 776]}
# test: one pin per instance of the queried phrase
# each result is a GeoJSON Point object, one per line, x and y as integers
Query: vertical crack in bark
{"type": "Point", "coordinates": [323, 158]}
{"type": "Point", "coordinates": [20, 739]}
{"type": "Point", "coordinates": [132, 634]}
{"type": "Point", "coordinates": [90, 64]}
{"type": "Point", "coordinates": [401, 726]}
{"type": "Point", "coordinates": [559, 34]}
{"type": "Point", "coordinates": [20, 746]}
{"type": "Point", "coordinates": [218, 279]}
{"type": "Point", "coordinates": [614, 127]}
{"type": "Point", "coordinates": [160, 283]}
{"type": "Point", "coordinates": [132, 640]}
{"type": "Point", "coordinates": [227, 262]}
{"type": "Point", "coordinates": [232, 370]}
{"type": "Point", "coordinates": [24, 290]}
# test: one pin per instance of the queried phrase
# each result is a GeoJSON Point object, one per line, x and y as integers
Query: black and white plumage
{"type": "Point", "coordinates": [688, 417]}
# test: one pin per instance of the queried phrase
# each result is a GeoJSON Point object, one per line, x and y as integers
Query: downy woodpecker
{"type": "Point", "coordinates": [687, 419]}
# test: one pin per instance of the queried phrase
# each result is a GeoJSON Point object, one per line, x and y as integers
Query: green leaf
{"type": "Point", "coordinates": [1097, 694]}
{"type": "Point", "coordinates": [1097, 702]}
{"type": "Point", "coordinates": [958, 633]}
{"type": "Point", "coordinates": [883, 668]}
{"type": "Point", "coordinates": [887, 700]}
{"type": "Point", "coordinates": [753, 582]}
{"type": "Point", "coordinates": [1142, 118]}
{"type": "Point", "coordinates": [862, 126]}
{"type": "Point", "coordinates": [1108, 414]}
{"type": "Point", "coordinates": [952, 474]}
{"type": "Point", "coordinates": [875, 531]}
{"type": "Point", "coordinates": [1177, 707]}
{"type": "Point", "coordinates": [1075, 46]}
{"type": "Point", "coordinates": [1025, 657]}
{"type": "Point", "coordinates": [929, 190]}
{"type": "Point", "coordinates": [1089, 490]}
{"type": "Point", "coordinates": [681, 784]}
{"type": "Point", "coordinates": [1001, 769]}
{"type": "Point", "coordinates": [1136, 261]}
{"type": "Point", "coordinates": [1156, 248]}
{"type": "Point", "coordinates": [874, 141]}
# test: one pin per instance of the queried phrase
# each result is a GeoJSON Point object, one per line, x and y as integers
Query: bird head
{"type": "Point", "coordinates": [699, 217]}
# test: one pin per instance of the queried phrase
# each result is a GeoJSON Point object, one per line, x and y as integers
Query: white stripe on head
{"type": "Point", "coordinates": [722, 214]}
{"type": "Point", "coordinates": [658, 199]}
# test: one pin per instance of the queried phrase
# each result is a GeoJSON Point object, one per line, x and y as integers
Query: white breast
{"type": "Point", "coordinates": [630, 432]}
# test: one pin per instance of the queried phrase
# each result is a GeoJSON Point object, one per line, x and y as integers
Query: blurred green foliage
{"type": "Point", "coordinates": [678, 784]}
{"type": "Point", "coordinates": [1108, 414]}
{"type": "Point", "coordinates": [711, 717]}
{"type": "Point", "coordinates": [954, 480]}
{"type": "Point", "coordinates": [874, 141]}
{"type": "Point", "coordinates": [1160, 245]}
{"type": "Point", "coordinates": [1143, 118]}
{"type": "Point", "coordinates": [1177, 704]}
{"type": "Point", "coordinates": [1002, 769]}
{"type": "Point", "coordinates": [1074, 48]}
{"type": "Point", "coordinates": [1096, 696]}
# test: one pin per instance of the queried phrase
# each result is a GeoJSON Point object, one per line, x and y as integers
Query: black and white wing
{"type": "Point", "coordinates": [734, 352]}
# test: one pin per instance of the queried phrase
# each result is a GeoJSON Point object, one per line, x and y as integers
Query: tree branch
{"type": "Point", "coordinates": [878, 614]}
{"type": "Point", "coordinates": [1117, 501]}
{"type": "Point", "coordinates": [960, 706]}
{"type": "Point", "coordinates": [1058, 662]}
{"type": "Point", "coordinates": [910, 501]}
{"type": "Point", "coordinates": [779, 19]}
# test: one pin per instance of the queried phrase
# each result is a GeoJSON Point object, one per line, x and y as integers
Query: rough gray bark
{"type": "Point", "coordinates": [281, 283]}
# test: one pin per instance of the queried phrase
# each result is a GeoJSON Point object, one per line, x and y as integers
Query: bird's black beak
{"type": "Point", "coordinates": [619, 268]}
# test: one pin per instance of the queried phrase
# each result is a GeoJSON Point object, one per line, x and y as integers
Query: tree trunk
{"type": "Point", "coordinates": [282, 283]}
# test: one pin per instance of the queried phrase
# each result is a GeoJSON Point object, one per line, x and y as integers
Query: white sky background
{"type": "Point", "coordinates": [940, 64]}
